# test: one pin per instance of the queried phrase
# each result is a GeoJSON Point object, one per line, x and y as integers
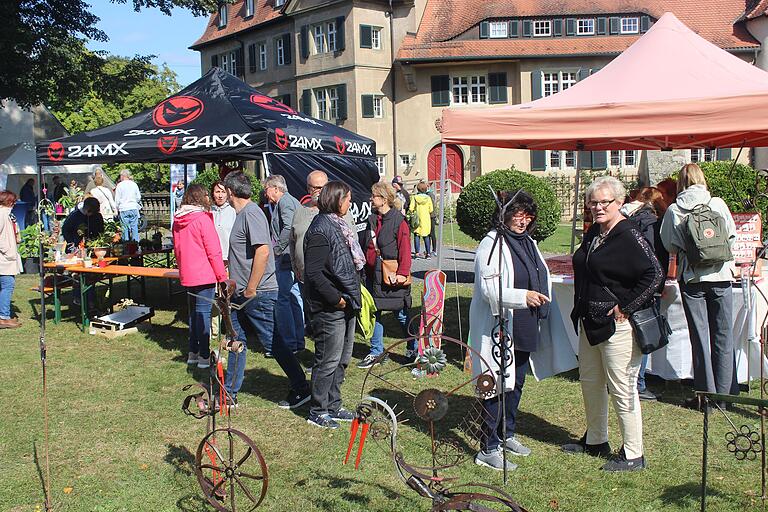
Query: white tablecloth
{"type": "Point", "coordinates": [674, 361]}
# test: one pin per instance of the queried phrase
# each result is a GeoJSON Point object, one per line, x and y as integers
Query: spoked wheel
{"type": "Point", "coordinates": [231, 471]}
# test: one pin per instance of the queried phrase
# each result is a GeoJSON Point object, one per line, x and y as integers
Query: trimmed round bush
{"type": "Point", "coordinates": [476, 205]}
{"type": "Point", "coordinates": [721, 186]}
{"type": "Point", "coordinates": [208, 176]}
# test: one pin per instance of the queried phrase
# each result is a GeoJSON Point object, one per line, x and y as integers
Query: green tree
{"type": "Point", "coordinates": [45, 58]}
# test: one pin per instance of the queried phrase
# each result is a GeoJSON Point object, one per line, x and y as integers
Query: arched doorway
{"type": "Point", "coordinates": [454, 165]}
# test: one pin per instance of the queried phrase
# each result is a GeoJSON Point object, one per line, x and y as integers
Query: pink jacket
{"type": "Point", "coordinates": [197, 248]}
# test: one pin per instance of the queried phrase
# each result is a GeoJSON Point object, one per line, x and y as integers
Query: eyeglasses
{"type": "Point", "coordinates": [315, 187]}
{"type": "Point", "coordinates": [523, 217]}
{"type": "Point", "coordinates": [604, 203]}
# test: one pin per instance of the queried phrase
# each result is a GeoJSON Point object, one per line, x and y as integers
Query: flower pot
{"type": "Point", "coordinates": [100, 252]}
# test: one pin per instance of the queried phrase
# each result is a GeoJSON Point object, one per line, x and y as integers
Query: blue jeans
{"type": "Point", "coordinates": [259, 313]}
{"type": "Point", "coordinates": [200, 318]}
{"type": "Point", "coordinates": [7, 284]}
{"type": "Point", "coordinates": [491, 427]}
{"type": "Point", "coordinates": [417, 244]}
{"type": "Point", "coordinates": [129, 220]}
{"type": "Point", "coordinates": [377, 340]}
{"type": "Point", "coordinates": [289, 311]}
{"type": "Point", "coordinates": [641, 374]}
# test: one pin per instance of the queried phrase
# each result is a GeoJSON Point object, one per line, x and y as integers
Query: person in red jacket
{"type": "Point", "coordinates": [201, 267]}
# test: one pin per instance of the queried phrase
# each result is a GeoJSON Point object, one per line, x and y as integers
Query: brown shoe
{"type": "Point", "coordinates": [11, 323]}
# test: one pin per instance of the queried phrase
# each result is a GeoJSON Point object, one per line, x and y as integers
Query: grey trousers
{"type": "Point", "coordinates": [334, 339]}
{"type": "Point", "coordinates": [709, 312]}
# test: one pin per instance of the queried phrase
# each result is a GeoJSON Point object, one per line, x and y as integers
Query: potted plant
{"type": "Point", "coordinates": [72, 197]}
{"type": "Point", "coordinates": [29, 247]}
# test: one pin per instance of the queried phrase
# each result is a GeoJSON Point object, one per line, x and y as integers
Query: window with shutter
{"type": "Point", "coordinates": [367, 105]}
{"type": "Point", "coordinates": [538, 160]}
{"type": "Point", "coordinates": [441, 94]}
{"type": "Point", "coordinates": [527, 28]}
{"type": "Point", "coordinates": [645, 23]}
{"type": "Point", "coordinates": [724, 154]}
{"type": "Point", "coordinates": [615, 24]}
{"type": "Point", "coordinates": [536, 88]}
{"type": "Point", "coordinates": [240, 63]}
{"type": "Point", "coordinates": [287, 45]}
{"type": "Point", "coordinates": [557, 27]}
{"type": "Point", "coordinates": [341, 92]}
{"type": "Point", "coordinates": [365, 36]}
{"type": "Point", "coordinates": [585, 159]}
{"type": "Point", "coordinates": [252, 58]}
{"type": "Point", "coordinates": [484, 30]}
{"type": "Point", "coordinates": [599, 160]}
{"type": "Point", "coordinates": [223, 11]}
{"type": "Point", "coordinates": [214, 61]}
{"type": "Point", "coordinates": [262, 56]}
{"type": "Point", "coordinates": [286, 100]}
{"type": "Point", "coordinates": [306, 102]}
{"type": "Point", "coordinates": [340, 35]}
{"type": "Point", "coordinates": [304, 41]}
{"type": "Point", "coordinates": [514, 28]}
{"type": "Point", "coordinates": [601, 26]}
{"type": "Point", "coordinates": [570, 27]}
{"type": "Point", "coordinates": [497, 83]}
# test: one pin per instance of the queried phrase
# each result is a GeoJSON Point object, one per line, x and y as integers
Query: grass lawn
{"type": "Point", "coordinates": [119, 441]}
{"type": "Point", "coordinates": [558, 243]}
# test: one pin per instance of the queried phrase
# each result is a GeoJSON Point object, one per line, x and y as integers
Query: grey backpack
{"type": "Point", "coordinates": [705, 233]}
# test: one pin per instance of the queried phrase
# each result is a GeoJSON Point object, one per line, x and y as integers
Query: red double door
{"type": "Point", "coordinates": [454, 166]}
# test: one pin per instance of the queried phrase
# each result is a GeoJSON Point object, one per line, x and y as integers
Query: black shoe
{"type": "Point", "coordinates": [343, 415]}
{"type": "Point", "coordinates": [323, 421]}
{"type": "Point", "coordinates": [595, 450]}
{"type": "Point", "coordinates": [268, 355]}
{"type": "Point", "coordinates": [620, 462]}
{"type": "Point", "coordinates": [294, 400]}
{"type": "Point", "coordinates": [696, 404]}
{"type": "Point", "coordinates": [647, 396]}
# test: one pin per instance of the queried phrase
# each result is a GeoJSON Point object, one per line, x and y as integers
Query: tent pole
{"type": "Point", "coordinates": [441, 211]}
{"type": "Point", "coordinates": [43, 348]}
{"type": "Point", "coordinates": [575, 205]}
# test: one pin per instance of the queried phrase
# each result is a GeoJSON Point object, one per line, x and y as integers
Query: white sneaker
{"type": "Point", "coordinates": [515, 447]}
{"type": "Point", "coordinates": [192, 358]}
{"type": "Point", "coordinates": [411, 354]}
{"type": "Point", "coordinates": [494, 460]}
{"type": "Point", "coordinates": [203, 363]}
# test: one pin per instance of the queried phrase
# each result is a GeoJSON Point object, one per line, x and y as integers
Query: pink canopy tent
{"type": "Point", "coordinates": [670, 89]}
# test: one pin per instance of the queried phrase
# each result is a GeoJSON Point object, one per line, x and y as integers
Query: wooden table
{"type": "Point", "coordinates": [109, 273]}
{"type": "Point", "coordinates": [58, 268]}
{"type": "Point", "coordinates": [151, 257]}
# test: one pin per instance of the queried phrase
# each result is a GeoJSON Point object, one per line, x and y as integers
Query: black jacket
{"type": "Point", "coordinates": [650, 227]}
{"type": "Point", "coordinates": [624, 264]}
{"type": "Point", "coordinates": [94, 226]}
{"type": "Point", "coordinates": [386, 297]}
{"type": "Point", "coordinates": [329, 271]}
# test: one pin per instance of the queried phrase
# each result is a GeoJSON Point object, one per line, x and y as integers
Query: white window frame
{"type": "Point", "coordinates": [381, 164]}
{"type": "Point", "coordinates": [630, 25]}
{"type": "Point", "coordinates": [703, 155]}
{"type": "Point", "coordinates": [469, 89]}
{"type": "Point", "coordinates": [554, 159]}
{"type": "Point", "coordinates": [330, 31]}
{"type": "Point", "coordinates": [262, 56]}
{"type": "Point", "coordinates": [585, 27]}
{"type": "Point", "coordinates": [405, 160]}
{"type": "Point", "coordinates": [279, 3]}
{"type": "Point", "coordinates": [327, 103]}
{"type": "Point", "coordinates": [553, 82]}
{"type": "Point", "coordinates": [615, 158]}
{"type": "Point", "coordinates": [376, 38]}
{"type": "Point", "coordinates": [223, 15]}
{"type": "Point", "coordinates": [478, 89]}
{"type": "Point", "coordinates": [320, 41]}
{"type": "Point", "coordinates": [570, 156]}
{"type": "Point", "coordinates": [280, 49]}
{"type": "Point", "coordinates": [459, 90]}
{"type": "Point", "coordinates": [630, 158]}
{"type": "Point", "coordinates": [378, 107]}
{"type": "Point", "coordinates": [224, 62]}
{"type": "Point", "coordinates": [542, 28]}
{"type": "Point", "coordinates": [249, 8]}
{"type": "Point", "coordinates": [498, 29]}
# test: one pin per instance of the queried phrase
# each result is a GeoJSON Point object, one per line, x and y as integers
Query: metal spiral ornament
{"type": "Point", "coordinates": [744, 443]}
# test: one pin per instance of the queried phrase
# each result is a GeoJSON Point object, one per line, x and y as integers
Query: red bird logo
{"type": "Point", "coordinates": [176, 111]}
{"type": "Point", "coordinates": [55, 151]}
{"type": "Point", "coordinates": [167, 144]}
{"type": "Point", "coordinates": [281, 139]}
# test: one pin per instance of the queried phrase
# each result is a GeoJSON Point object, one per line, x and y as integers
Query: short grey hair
{"type": "Point", "coordinates": [239, 184]}
{"type": "Point", "coordinates": [125, 173]}
{"type": "Point", "coordinates": [616, 186]}
{"type": "Point", "coordinates": [276, 181]}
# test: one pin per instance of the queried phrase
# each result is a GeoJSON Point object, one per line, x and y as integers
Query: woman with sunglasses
{"type": "Point", "coordinates": [616, 273]}
{"type": "Point", "coordinates": [526, 291]}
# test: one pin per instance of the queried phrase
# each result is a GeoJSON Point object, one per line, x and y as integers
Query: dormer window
{"type": "Point", "coordinates": [222, 15]}
{"type": "Point", "coordinates": [542, 28]}
{"type": "Point", "coordinates": [630, 25]}
{"type": "Point", "coordinates": [498, 29]}
{"type": "Point", "coordinates": [279, 3]}
{"type": "Point", "coordinates": [249, 8]}
{"type": "Point", "coordinates": [585, 27]}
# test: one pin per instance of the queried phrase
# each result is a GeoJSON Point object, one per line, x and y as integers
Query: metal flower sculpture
{"type": "Point", "coordinates": [433, 360]}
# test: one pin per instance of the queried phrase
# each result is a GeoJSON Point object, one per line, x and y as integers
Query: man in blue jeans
{"type": "Point", "coordinates": [128, 202]}
{"type": "Point", "coordinates": [252, 268]}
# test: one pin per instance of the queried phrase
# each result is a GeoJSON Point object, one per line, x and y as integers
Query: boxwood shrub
{"type": "Point", "coordinates": [475, 206]}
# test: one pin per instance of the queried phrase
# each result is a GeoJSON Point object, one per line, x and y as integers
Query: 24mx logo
{"type": "Point", "coordinates": [93, 150]}
{"type": "Point", "coordinates": [284, 141]}
{"type": "Point", "coordinates": [343, 146]}
{"type": "Point", "coordinates": [232, 140]}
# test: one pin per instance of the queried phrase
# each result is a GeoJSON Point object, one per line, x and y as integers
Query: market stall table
{"type": "Point", "coordinates": [59, 279]}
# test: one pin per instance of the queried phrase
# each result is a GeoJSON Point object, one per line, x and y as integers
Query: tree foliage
{"type": "Point", "coordinates": [476, 205]}
{"type": "Point", "coordinates": [45, 58]}
{"type": "Point", "coordinates": [208, 176]}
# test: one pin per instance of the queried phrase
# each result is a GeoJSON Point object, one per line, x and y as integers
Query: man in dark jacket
{"type": "Point", "coordinates": [86, 219]}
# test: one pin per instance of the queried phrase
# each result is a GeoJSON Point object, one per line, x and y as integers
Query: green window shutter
{"type": "Point", "coordinates": [340, 35]}
{"type": "Point", "coordinates": [557, 27]}
{"type": "Point", "coordinates": [570, 27]}
{"type": "Point", "coordinates": [585, 160]}
{"type": "Point", "coordinates": [214, 61]}
{"type": "Point", "coordinates": [582, 74]}
{"type": "Point", "coordinates": [538, 160]}
{"type": "Point", "coordinates": [536, 77]}
{"type": "Point", "coordinates": [341, 91]}
{"type": "Point", "coordinates": [252, 58]}
{"type": "Point", "coordinates": [497, 92]}
{"type": "Point", "coordinates": [287, 46]}
{"type": "Point", "coordinates": [724, 154]}
{"type": "Point", "coordinates": [366, 40]}
{"type": "Point", "coordinates": [513, 29]}
{"type": "Point", "coordinates": [527, 28]}
{"type": "Point", "coordinates": [286, 100]}
{"type": "Point", "coordinates": [599, 160]}
{"type": "Point", "coordinates": [306, 102]}
{"type": "Point", "coordinates": [367, 104]}
{"type": "Point", "coordinates": [484, 30]}
{"type": "Point", "coordinates": [645, 23]}
{"type": "Point", "coordinates": [594, 70]}
{"type": "Point", "coordinates": [441, 91]}
{"type": "Point", "coordinates": [614, 25]}
{"type": "Point", "coordinates": [240, 62]}
{"type": "Point", "coordinates": [304, 41]}
{"type": "Point", "coordinates": [601, 26]}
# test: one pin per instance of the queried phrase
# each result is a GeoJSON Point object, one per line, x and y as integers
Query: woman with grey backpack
{"type": "Point", "coordinates": [700, 230]}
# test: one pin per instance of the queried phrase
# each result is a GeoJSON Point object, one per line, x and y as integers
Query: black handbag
{"type": "Point", "coordinates": [651, 328]}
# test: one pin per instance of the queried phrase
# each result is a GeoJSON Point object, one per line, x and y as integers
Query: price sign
{"type": "Point", "coordinates": [749, 229]}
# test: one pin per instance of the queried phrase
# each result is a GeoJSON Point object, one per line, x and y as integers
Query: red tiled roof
{"type": "Point", "coordinates": [758, 9]}
{"type": "Point", "coordinates": [237, 22]}
{"type": "Point", "coordinates": [443, 20]}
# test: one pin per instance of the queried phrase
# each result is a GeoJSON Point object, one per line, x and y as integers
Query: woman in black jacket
{"type": "Point", "coordinates": [333, 259]}
{"type": "Point", "coordinates": [616, 273]}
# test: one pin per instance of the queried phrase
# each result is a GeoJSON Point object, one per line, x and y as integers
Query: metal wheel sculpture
{"type": "Point", "coordinates": [450, 415]}
{"type": "Point", "coordinates": [228, 465]}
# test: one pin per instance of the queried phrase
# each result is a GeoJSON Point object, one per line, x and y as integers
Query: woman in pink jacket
{"type": "Point", "coordinates": [198, 255]}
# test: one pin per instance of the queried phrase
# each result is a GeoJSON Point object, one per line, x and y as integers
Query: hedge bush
{"type": "Point", "coordinates": [475, 206]}
{"type": "Point", "coordinates": [208, 176]}
{"type": "Point", "coordinates": [721, 186]}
